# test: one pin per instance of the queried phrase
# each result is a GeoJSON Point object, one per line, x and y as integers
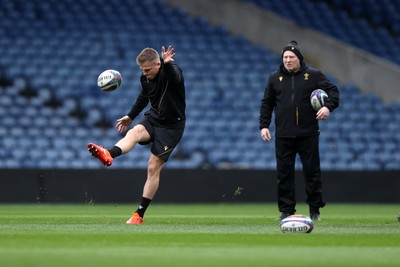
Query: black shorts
{"type": "Point", "coordinates": [164, 139]}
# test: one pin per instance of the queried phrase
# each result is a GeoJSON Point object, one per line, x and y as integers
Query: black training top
{"type": "Point", "coordinates": [166, 94]}
{"type": "Point", "coordinates": [289, 94]}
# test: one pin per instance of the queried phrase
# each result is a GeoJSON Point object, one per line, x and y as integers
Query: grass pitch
{"type": "Point", "coordinates": [195, 235]}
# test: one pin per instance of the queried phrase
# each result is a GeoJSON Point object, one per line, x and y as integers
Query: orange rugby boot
{"type": "Point", "coordinates": [100, 153]}
{"type": "Point", "coordinates": [135, 219]}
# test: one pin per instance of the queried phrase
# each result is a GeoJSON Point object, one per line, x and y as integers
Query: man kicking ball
{"type": "Point", "coordinates": [163, 126]}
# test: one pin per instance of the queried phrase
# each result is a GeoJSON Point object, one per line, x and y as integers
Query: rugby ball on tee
{"type": "Point", "coordinates": [297, 224]}
{"type": "Point", "coordinates": [109, 80]}
{"type": "Point", "coordinates": [317, 99]}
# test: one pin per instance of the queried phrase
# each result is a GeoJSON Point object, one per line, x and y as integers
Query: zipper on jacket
{"type": "Point", "coordinates": [293, 89]}
{"type": "Point", "coordinates": [162, 97]}
{"type": "Point", "coordinates": [297, 108]}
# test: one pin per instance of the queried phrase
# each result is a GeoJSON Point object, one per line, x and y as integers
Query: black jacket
{"type": "Point", "coordinates": [289, 94]}
{"type": "Point", "coordinates": [166, 94]}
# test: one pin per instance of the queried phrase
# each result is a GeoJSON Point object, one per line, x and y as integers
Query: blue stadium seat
{"type": "Point", "coordinates": [359, 23]}
{"type": "Point", "coordinates": [222, 117]}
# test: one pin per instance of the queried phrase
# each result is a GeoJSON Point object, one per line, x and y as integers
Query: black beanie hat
{"type": "Point", "coordinates": [294, 47]}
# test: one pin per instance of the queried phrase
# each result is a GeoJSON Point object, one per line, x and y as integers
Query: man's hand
{"type": "Point", "coordinates": [123, 123]}
{"type": "Point", "coordinates": [168, 55]}
{"type": "Point", "coordinates": [323, 113]}
{"type": "Point", "coordinates": [265, 134]}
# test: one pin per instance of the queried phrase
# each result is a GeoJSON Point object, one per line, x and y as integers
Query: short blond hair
{"type": "Point", "coordinates": [148, 55]}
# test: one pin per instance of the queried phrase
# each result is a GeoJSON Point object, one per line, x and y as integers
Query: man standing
{"type": "Point", "coordinates": [163, 86]}
{"type": "Point", "coordinates": [288, 94]}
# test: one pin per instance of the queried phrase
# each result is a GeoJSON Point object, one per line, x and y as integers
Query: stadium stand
{"type": "Point", "coordinates": [50, 108]}
{"type": "Point", "coordinates": [363, 24]}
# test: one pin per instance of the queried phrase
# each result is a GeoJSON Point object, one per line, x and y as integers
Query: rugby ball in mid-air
{"type": "Point", "coordinates": [317, 99]}
{"type": "Point", "coordinates": [109, 80]}
{"type": "Point", "coordinates": [297, 224]}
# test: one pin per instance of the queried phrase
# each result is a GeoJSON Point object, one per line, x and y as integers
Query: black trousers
{"type": "Point", "coordinates": [308, 150]}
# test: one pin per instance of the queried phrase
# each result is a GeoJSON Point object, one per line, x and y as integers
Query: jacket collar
{"type": "Point", "coordinates": [283, 70]}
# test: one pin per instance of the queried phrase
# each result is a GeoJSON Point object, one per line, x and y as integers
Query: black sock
{"type": "Point", "coordinates": [115, 151]}
{"type": "Point", "coordinates": [143, 206]}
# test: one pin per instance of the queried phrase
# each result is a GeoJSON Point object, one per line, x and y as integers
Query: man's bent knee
{"type": "Point", "coordinates": [138, 134]}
